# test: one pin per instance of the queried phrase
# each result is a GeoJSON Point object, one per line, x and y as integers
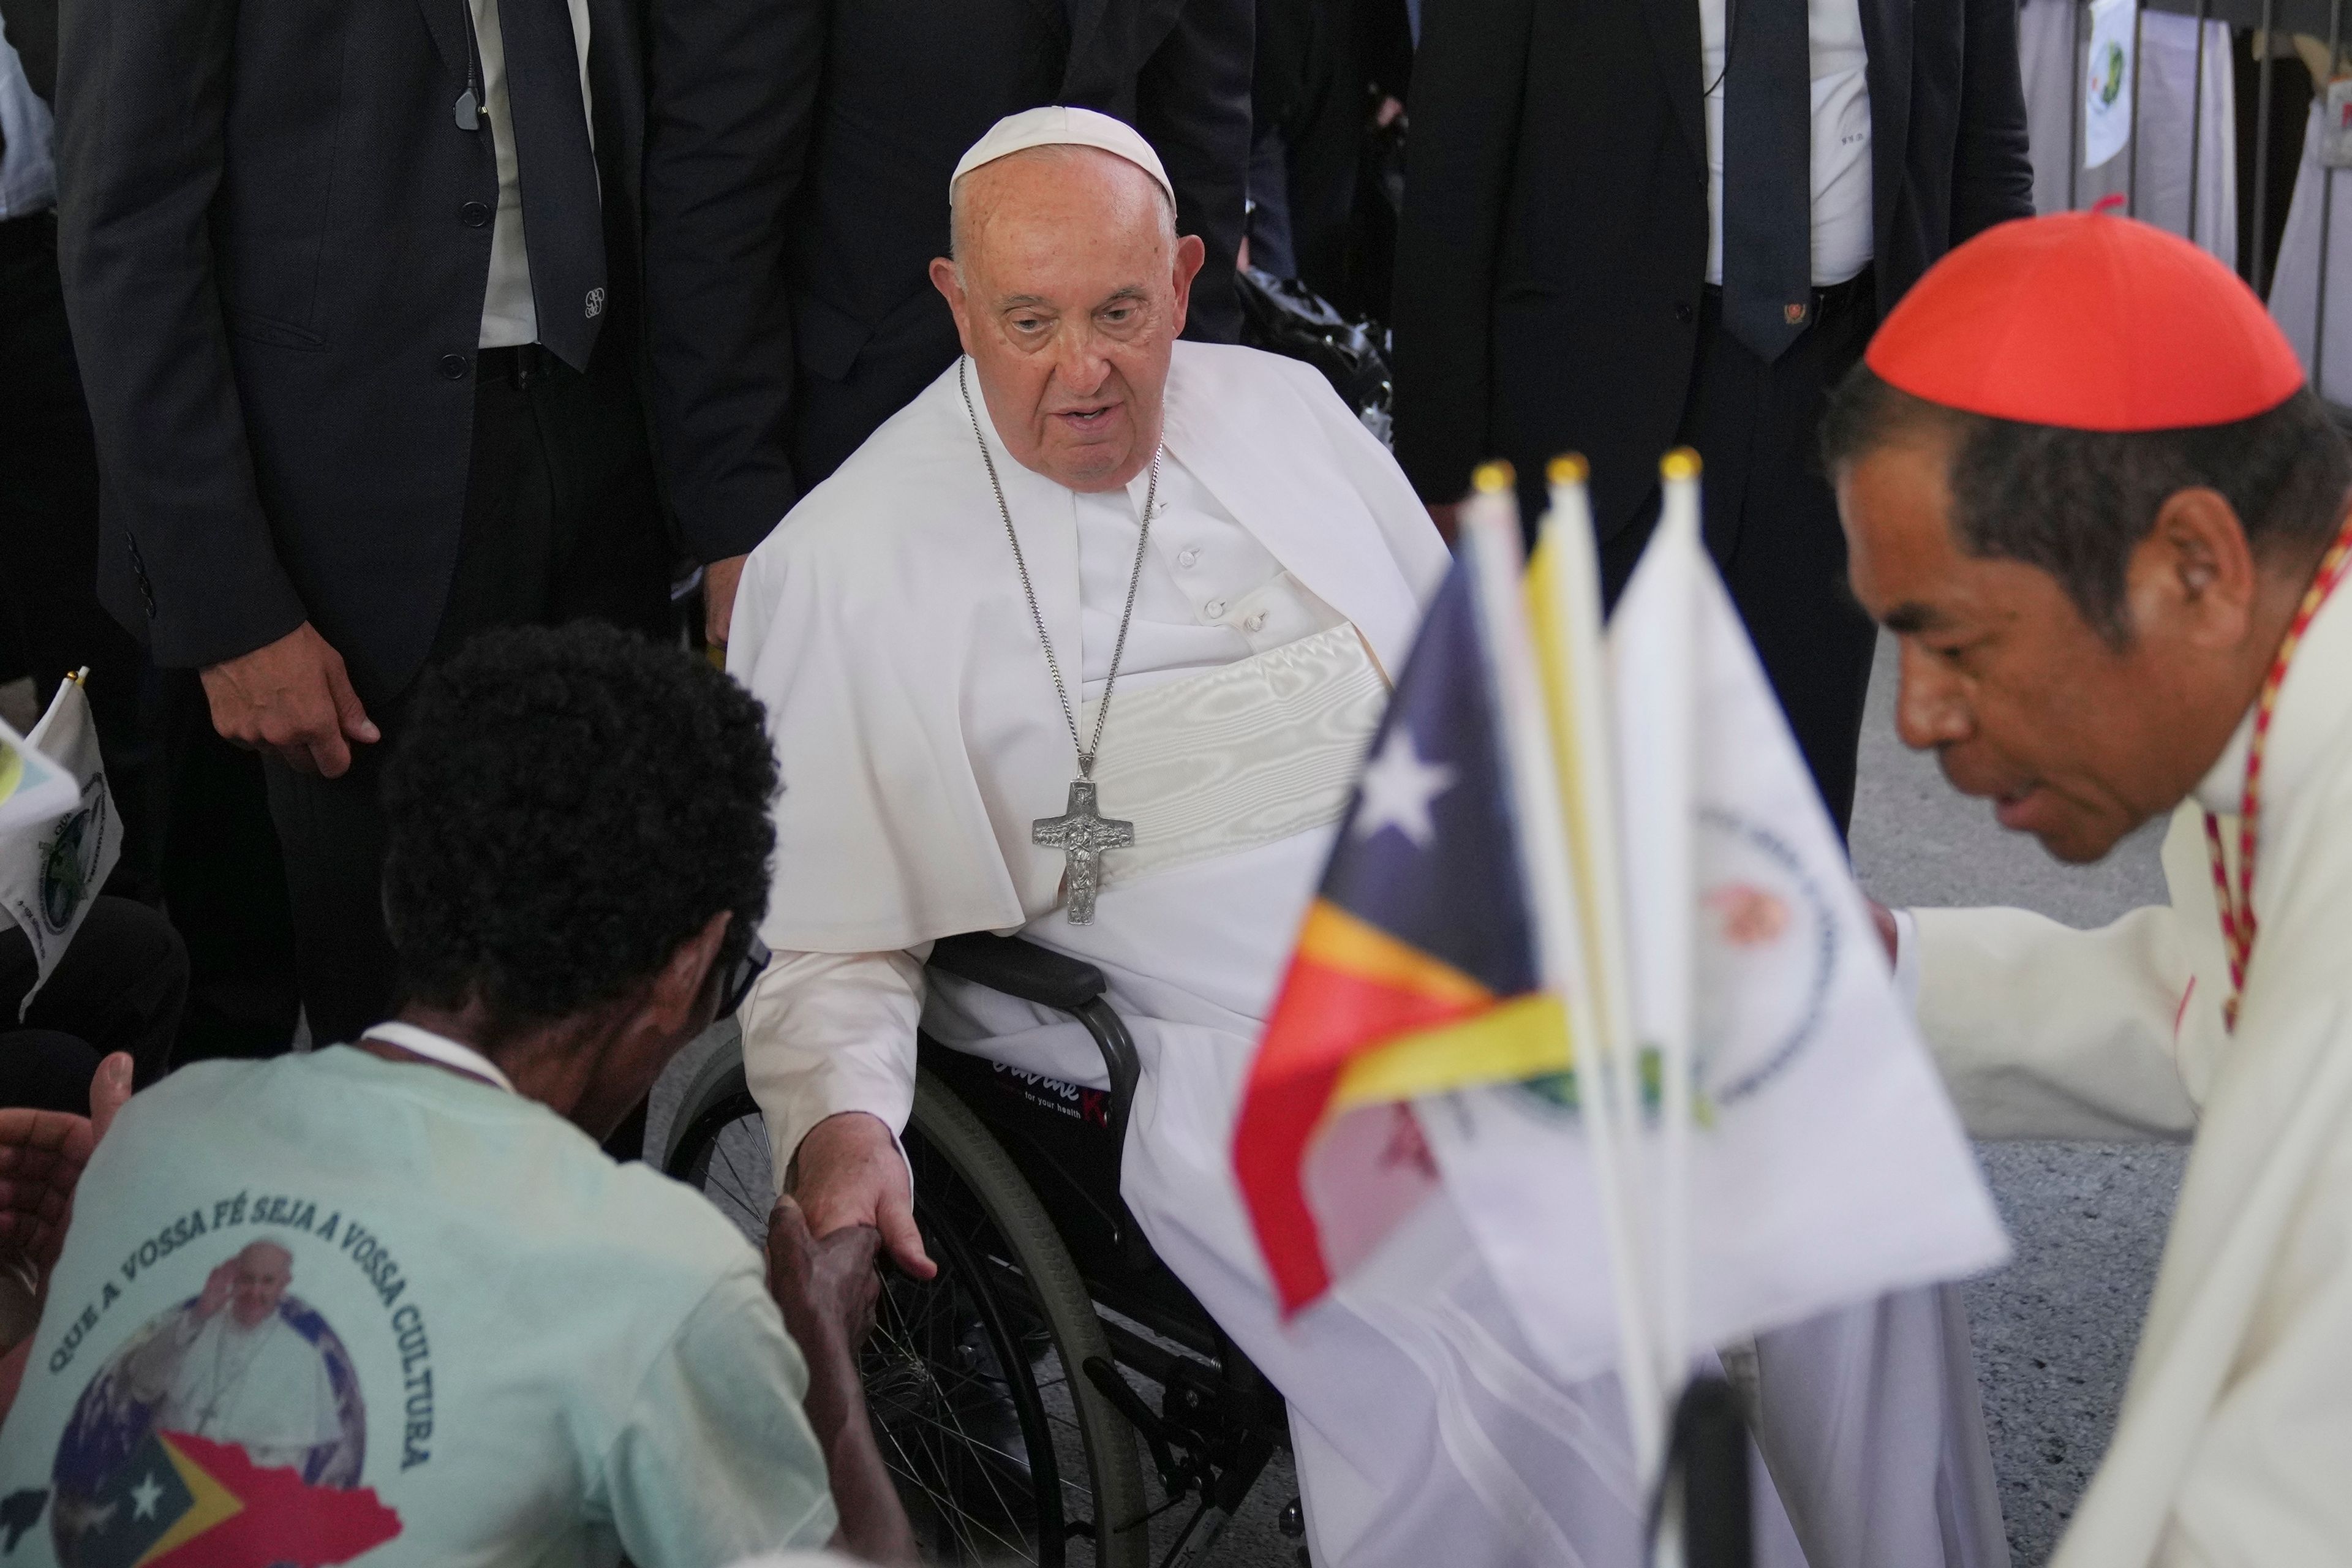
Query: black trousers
{"type": "Point", "coordinates": [1771, 523]}
{"type": "Point", "coordinates": [223, 881]}
{"type": "Point", "coordinates": [562, 523]}
{"type": "Point", "coordinates": [49, 521]}
{"type": "Point", "coordinates": [117, 986]}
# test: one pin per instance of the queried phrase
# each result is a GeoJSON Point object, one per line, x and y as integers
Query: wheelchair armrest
{"type": "Point", "coordinates": [1019, 968]}
{"type": "Point", "coordinates": [1028, 973]}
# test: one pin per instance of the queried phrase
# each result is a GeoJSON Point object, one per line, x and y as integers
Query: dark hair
{"type": "Point", "coordinates": [2076, 503]}
{"type": "Point", "coordinates": [568, 806]}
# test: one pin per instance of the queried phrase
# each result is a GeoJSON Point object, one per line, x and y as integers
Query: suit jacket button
{"type": "Point", "coordinates": [1682, 310]}
{"type": "Point", "coordinates": [454, 367]}
{"type": "Point", "coordinates": [473, 215]}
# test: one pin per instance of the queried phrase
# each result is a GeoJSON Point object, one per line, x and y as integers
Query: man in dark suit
{"type": "Point", "coordinates": [1659, 222]}
{"type": "Point", "coordinates": [349, 410]}
{"type": "Point", "coordinates": [797, 163]}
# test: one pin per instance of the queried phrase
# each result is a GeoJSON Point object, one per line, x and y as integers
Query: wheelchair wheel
{"type": "Point", "coordinates": [1003, 1453]}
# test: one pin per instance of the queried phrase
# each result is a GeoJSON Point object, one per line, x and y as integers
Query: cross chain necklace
{"type": "Point", "coordinates": [1082, 832]}
{"type": "Point", "coordinates": [224, 1381]}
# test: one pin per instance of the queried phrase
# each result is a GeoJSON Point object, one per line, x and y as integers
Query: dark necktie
{"type": "Point", "coordinates": [563, 215]}
{"type": "Point", "coordinates": [1767, 176]}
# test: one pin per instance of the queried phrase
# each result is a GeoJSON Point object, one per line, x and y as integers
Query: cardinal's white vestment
{"type": "Point", "coordinates": [2235, 1436]}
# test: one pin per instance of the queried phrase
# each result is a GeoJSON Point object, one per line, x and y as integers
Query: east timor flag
{"type": "Point", "coordinates": [1415, 972]}
{"type": "Point", "coordinates": [183, 1501]}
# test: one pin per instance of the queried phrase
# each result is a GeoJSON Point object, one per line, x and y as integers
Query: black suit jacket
{"type": "Point", "coordinates": [798, 158]}
{"type": "Point", "coordinates": [276, 303]}
{"type": "Point", "coordinates": [1555, 232]}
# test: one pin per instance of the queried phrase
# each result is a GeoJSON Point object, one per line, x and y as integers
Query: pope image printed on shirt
{"type": "Point", "coordinates": [244, 1365]}
{"type": "Point", "coordinates": [231, 1367]}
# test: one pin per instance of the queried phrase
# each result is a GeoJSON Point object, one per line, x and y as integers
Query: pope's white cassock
{"type": "Point", "coordinates": [918, 733]}
{"type": "Point", "coordinates": [2234, 1445]}
{"type": "Point", "coordinates": [264, 1388]}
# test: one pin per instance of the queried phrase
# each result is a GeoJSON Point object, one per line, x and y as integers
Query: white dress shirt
{"type": "Point", "coordinates": [28, 178]}
{"type": "Point", "coordinates": [1210, 593]}
{"type": "Point", "coordinates": [509, 316]}
{"type": "Point", "coordinates": [1842, 210]}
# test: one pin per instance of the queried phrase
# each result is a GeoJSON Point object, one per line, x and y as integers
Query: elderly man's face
{"type": "Point", "coordinates": [2025, 704]}
{"type": "Point", "coordinates": [1069, 295]}
{"type": "Point", "coordinates": [263, 1273]}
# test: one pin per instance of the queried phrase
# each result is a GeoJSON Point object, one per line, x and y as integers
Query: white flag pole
{"type": "Point", "coordinates": [1672, 858]}
{"type": "Point", "coordinates": [1490, 537]}
{"type": "Point", "coordinates": [1585, 734]}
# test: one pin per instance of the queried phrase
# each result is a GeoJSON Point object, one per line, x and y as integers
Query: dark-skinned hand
{"type": "Point", "coordinates": [42, 1153]}
{"type": "Point", "coordinates": [826, 1287]}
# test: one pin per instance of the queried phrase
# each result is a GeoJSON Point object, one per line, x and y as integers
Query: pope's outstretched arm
{"type": "Point", "coordinates": [829, 1053]}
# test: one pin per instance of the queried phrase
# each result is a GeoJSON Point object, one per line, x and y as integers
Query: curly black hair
{"type": "Point", "coordinates": [567, 806]}
{"type": "Point", "coordinates": [2076, 503]}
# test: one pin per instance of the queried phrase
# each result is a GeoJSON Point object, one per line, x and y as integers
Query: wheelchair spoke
{"type": "Point", "coordinates": [742, 1188]}
{"type": "Point", "coordinates": [945, 1508]}
{"type": "Point", "coordinates": [921, 1378]}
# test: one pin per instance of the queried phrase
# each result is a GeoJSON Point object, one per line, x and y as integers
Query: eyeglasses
{"type": "Point", "coordinates": [741, 975]}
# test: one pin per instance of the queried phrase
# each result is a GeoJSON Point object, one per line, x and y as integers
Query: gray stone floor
{"type": "Point", "coordinates": [2054, 1331]}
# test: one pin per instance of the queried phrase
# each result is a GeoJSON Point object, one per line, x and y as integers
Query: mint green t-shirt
{"type": "Point", "coordinates": [450, 1331]}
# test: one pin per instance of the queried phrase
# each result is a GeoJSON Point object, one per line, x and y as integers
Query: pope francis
{"type": "Point", "coordinates": [2083, 481]}
{"type": "Point", "coordinates": [1088, 642]}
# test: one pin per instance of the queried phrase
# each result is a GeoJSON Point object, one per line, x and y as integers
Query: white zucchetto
{"type": "Point", "coordinates": [1057, 126]}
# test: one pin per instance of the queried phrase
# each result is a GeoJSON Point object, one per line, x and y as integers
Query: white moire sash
{"type": "Point", "coordinates": [1242, 756]}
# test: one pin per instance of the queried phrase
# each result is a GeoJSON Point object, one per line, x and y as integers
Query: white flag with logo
{"type": "Point", "coordinates": [56, 852]}
{"type": "Point", "coordinates": [1823, 1163]}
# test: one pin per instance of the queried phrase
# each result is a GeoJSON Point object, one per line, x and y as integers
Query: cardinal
{"type": "Point", "coordinates": [2083, 482]}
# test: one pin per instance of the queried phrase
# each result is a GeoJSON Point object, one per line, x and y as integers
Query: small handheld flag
{"type": "Point", "coordinates": [1415, 972]}
{"type": "Point", "coordinates": [53, 860]}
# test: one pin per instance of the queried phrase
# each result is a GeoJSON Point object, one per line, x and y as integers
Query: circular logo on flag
{"type": "Point", "coordinates": [2107, 74]}
{"type": "Point", "coordinates": [69, 862]}
{"type": "Point", "coordinates": [1767, 951]}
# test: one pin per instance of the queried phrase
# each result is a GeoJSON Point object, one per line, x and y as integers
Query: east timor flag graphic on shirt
{"type": "Point", "coordinates": [1415, 973]}
{"type": "Point", "coordinates": [183, 1501]}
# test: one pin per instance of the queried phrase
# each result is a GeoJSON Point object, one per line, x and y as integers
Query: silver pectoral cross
{"type": "Point", "coordinates": [1082, 833]}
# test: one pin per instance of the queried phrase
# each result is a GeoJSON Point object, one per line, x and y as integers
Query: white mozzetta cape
{"type": "Point", "coordinates": [883, 623]}
{"type": "Point", "coordinates": [2235, 1441]}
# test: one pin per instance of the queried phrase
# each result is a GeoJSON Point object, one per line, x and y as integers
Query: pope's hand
{"type": "Point", "coordinates": [292, 697]}
{"type": "Point", "coordinates": [217, 1286]}
{"type": "Point", "coordinates": [850, 1172]}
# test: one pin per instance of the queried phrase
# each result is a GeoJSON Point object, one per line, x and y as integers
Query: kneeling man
{"type": "Point", "coordinates": [1087, 642]}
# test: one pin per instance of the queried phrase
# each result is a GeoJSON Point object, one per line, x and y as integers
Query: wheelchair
{"type": "Point", "coordinates": [1010, 1393]}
